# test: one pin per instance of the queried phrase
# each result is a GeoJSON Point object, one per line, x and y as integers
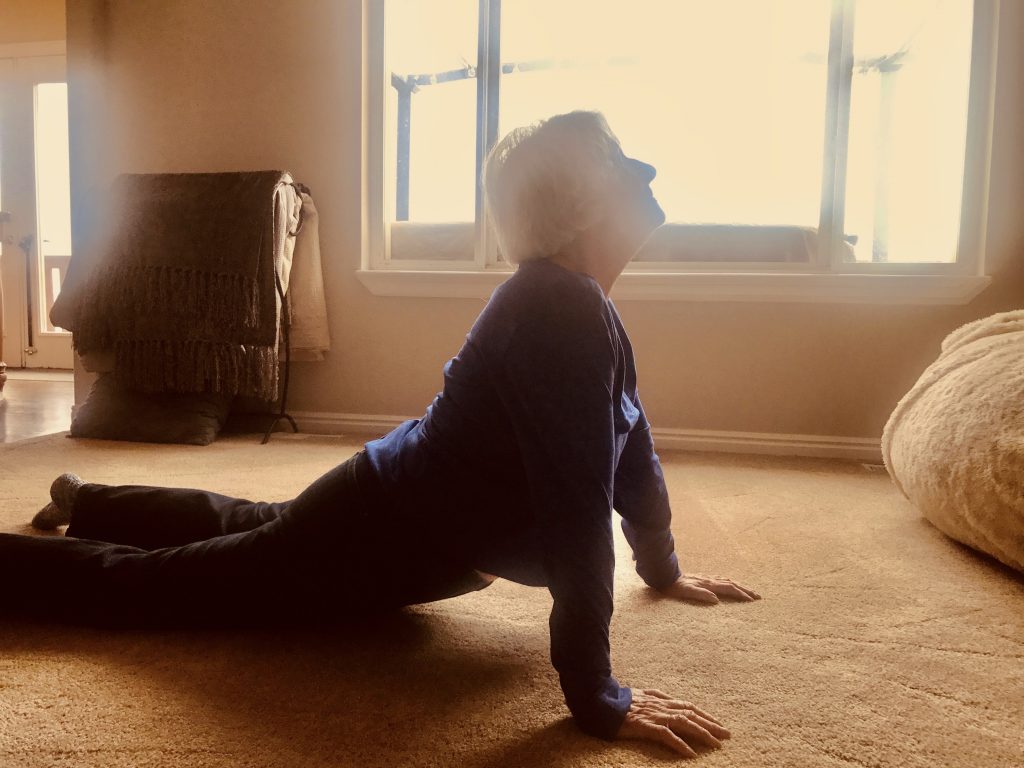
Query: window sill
{"type": "Point", "coordinates": [707, 286]}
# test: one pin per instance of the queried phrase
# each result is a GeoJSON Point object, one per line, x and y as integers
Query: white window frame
{"type": "Point", "coordinates": [825, 279]}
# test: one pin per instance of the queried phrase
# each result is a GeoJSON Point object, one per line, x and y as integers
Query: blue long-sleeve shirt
{"type": "Point", "coordinates": [518, 462]}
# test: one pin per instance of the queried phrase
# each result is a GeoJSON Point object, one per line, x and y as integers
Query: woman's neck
{"type": "Point", "coordinates": [593, 257]}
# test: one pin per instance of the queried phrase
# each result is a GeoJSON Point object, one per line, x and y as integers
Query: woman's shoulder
{"type": "Point", "coordinates": [544, 312]}
{"type": "Point", "coordinates": [543, 292]}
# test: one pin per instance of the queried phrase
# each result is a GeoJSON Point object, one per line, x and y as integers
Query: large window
{"type": "Point", "coordinates": [810, 136]}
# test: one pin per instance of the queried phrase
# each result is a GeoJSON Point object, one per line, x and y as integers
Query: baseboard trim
{"type": "Point", "coordinates": [327, 423]}
{"type": "Point", "coordinates": [765, 443]}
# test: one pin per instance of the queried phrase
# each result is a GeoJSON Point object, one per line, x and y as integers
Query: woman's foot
{"type": "Point", "coordinates": [50, 517]}
{"type": "Point", "coordinates": [63, 491]}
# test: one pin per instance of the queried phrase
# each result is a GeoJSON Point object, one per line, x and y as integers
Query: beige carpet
{"type": "Point", "coordinates": [879, 642]}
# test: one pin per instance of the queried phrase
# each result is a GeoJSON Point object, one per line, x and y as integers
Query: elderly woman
{"type": "Point", "coordinates": [512, 472]}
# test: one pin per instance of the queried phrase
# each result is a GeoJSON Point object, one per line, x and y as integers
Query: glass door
{"type": "Point", "coordinates": [35, 195]}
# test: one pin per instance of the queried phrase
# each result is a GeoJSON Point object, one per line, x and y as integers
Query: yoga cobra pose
{"type": "Point", "coordinates": [513, 471]}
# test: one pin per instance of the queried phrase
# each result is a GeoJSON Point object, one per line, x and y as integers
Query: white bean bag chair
{"type": "Point", "coordinates": [954, 445]}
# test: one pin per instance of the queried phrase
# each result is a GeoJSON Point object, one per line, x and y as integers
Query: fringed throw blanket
{"type": "Point", "coordinates": [184, 288]}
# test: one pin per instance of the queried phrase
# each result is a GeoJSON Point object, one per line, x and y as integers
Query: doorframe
{"type": "Point", "coordinates": [16, 268]}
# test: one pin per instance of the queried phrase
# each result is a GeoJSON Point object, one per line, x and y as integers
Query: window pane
{"type": "Point", "coordinates": [430, 66]}
{"type": "Point", "coordinates": [908, 127]}
{"type": "Point", "coordinates": [53, 194]}
{"type": "Point", "coordinates": [726, 98]}
{"type": "Point", "coordinates": [53, 186]}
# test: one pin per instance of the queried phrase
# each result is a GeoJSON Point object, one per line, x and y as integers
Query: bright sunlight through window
{"type": "Point", "coordinates": [53, 193]}
{"type": "Point", "coordinates": [53, 183]}
{"type": "Point", "coordinates": [731, 100]}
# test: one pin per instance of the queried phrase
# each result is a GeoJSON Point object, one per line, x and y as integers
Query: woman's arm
{"type": "Point", "coordinates": [555, 378]}
{"type": "Point", "coordinates": [642, 500]}
{"type": "Point", "coordinates": [640, 493]}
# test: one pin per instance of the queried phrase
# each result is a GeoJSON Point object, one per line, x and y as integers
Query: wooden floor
{"type": "Point", "coordinates": [34, 407]}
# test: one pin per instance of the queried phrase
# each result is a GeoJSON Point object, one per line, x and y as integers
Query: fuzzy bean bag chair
{"type": "Point", "coordinates": [954, 445]}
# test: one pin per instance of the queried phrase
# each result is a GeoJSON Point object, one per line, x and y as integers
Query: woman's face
{"type": "Point", "coordinates": [634, 212]}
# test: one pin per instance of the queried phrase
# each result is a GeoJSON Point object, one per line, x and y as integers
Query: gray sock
{"type": "Point", "coordinates": [64, 491]}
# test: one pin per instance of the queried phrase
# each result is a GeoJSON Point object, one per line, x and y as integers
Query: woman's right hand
{"type": "Point", "coordinates": [656, 716]}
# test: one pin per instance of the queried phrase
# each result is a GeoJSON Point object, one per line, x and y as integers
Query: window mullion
{"type": "Point", "coordinates": [488, 79]}
{"type": "Point", "coordinates": [978, 141]}
{"type": "Point", "coordinates": [837, 131]}
{"type": "Point", "coordinates": [377, 252]}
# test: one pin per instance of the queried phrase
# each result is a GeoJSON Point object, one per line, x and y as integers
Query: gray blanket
{"type": "Point", "coordinates": [183, 288]}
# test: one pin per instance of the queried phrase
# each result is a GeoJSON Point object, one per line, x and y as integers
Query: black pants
{"type": "Point", "coordinates": [142, 556]}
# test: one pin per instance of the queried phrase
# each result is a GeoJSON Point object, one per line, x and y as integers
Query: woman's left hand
{"type": "Point", "coordinates": [708, 589]}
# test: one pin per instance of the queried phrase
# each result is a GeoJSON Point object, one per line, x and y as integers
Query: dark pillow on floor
{"type": "Point", "coordinates": [114, 413]}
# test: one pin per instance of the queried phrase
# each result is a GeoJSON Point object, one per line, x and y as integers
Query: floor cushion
{"type": "Point", "coordinates": [114, 412]}
{"type": "Point", "coordinates": [955, 444]}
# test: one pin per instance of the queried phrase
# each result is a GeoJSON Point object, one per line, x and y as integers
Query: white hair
{"type": "Point", "coordinates": [547, 182]}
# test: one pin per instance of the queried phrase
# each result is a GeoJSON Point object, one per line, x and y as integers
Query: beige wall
{"type": "Point", "coordinates": [192, 85]}
{"type": "Point", "coordinates": [31, 21]}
